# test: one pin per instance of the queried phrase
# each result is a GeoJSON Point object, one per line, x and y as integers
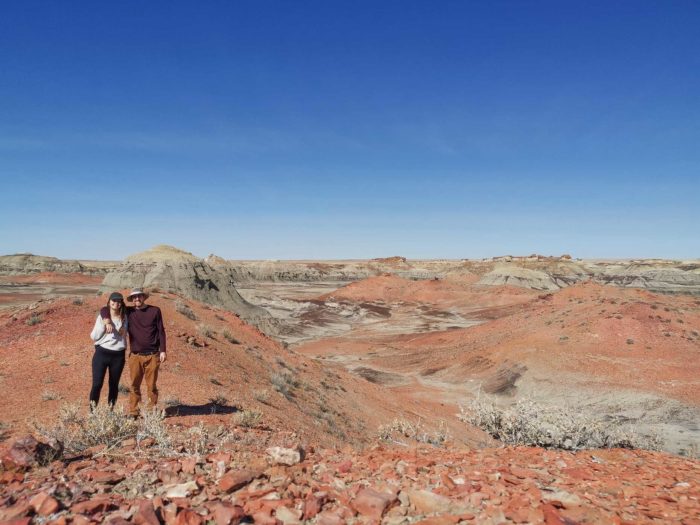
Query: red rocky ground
{"type": "Point", "coordinates": [401, 485]}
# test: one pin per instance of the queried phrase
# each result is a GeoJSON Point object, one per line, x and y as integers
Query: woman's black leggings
{"type": "Point", "coordinates": [102, 361]}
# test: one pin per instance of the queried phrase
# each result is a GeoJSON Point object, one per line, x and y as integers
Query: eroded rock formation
{"type": "Point", "coordinates": [173, 270]}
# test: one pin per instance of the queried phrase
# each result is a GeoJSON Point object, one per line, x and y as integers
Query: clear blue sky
{"type": "Point", "coordinates": [350, 129]}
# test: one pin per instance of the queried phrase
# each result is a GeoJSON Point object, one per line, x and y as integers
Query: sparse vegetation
{"type": "Point", "coordinates": [230, 337]}
{"type": "Point", "coordinates": [34, 319]}
{"type": "Point", "coordinates": [284, 383]}
{"type": "Point", "coordinates": [78, 301]}
{"type": "Point", "coordinates": [533, 424]}
{"type": "Point", "coordinates": [247, 418]}
{"type": "Point", "coordinates": [185, 310]}
{"type": "Point", "coordinates": [100, 426]}
{"type": "Point", "coordinates": [262, 395]}
{"type": "Point", "coordinates": [4, 430]}
{"type": "Point", "coordinates": [215, 381]}
{"type": "Point", "coordinates": [402, 428]}
{"type": "Point", "coordinates": [218, 402]}
{"type": "Point", "coordinates": [153, 426]}
{"type": "Point", "coordinates": [50, 395]}
{"type": "Point", "coordinates": [206, 331]}
{"type": "Point", "coordinates": [172, 402]}
{"type": "Point", "coordinates": [123, 389]}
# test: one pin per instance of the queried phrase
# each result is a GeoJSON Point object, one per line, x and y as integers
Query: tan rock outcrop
{"type": "Point", "coordinates": [173, 270]}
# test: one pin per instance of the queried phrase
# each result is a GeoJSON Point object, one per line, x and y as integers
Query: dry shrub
{"type": "Point", "coordinates": [247, 418]}
{"type": "Point", "coordinates": [402, 428]}
{"type": "Point", "coordinates": [230, 338]}
{"type": "Point", "coordinates": [206, 330]}
{"type": "Point", "coordinates": [533, 424]}
{"type": "Point", "coordinates": [284, 383]}
{"type": "Point", "coordinates": [185, 310]}
{"type": "Point", "coordinates": [4, 431]}
{"type": "Point", "coordinates": [153, 426]}
{"type": "Point", "coordinates": [262, 395]}
{"type": "Point", "coordinates": [201, 440]}
{"type": "Point", "coordinates": [101, 426]}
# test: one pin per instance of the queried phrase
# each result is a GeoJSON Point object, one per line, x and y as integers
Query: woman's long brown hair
{"type": "Point", "coordinates": [122, 310]}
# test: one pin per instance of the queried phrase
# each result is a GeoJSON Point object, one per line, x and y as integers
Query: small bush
{"type": "Point", "coordinates": [284, 383]}
{"type": "Point", "coordinates": [262, 395]}
{"type": "Point", "coordinates": [172, 402]}
{"type": "Point", "coordinates": [247, 418]}
{"type": "Point", "coordinates": [153, 426]}
{"type": "Point", "coordinates": [402, 428]}
{"type": "Point", "coordinates": [206, 330]}
{"type": "Point", "coordinates": [78, 301]}
{"type": "Point", "coordinates": [185, 310]}
{"type": "Point", "coordinates": [532, 424]}
{"type": "Point", "coordinates": [218, 402]}
{"type": "Point", "coordinates": [4, 431]}
{"type": "Point", "coordinates": [101, 426]}
{"type": "Point", "coordinates": [230, 338]}
{"type": "Point", "coordinates": [34, 319]}
{"type": "Point", "coordinates": [50, 395]}
{"type": "Point", "coordinates": [123, 389]}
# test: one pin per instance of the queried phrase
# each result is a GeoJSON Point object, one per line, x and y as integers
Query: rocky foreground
{"type": "Point", "coordinates": [242, 482]}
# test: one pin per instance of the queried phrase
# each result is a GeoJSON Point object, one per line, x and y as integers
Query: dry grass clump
{"type": "Point", "coordinates": [101, 426]}
{"type": "Point", "coordinates": [206, 331]}
{"type": "Point", "coordinates": [185, 310]}
{"type": "Point", "coordinates": [402, 428]}
{"type": "Point", "coordinates": [50, 395]}
{"type": "Point", "coordinates": [247, 418]}
{"type": "Point", "coordinates": [533, 424]}
{"type": "Point", "coordinates": [152, 425]}
{"type": "Point", "coordinates": [262, 395]}
{"type": "Point", "coordinates": [284, 383]}
{"type": "Point", "coordinates": [230, 338]}
{"type": "Point", "coordinates": [4, 431]}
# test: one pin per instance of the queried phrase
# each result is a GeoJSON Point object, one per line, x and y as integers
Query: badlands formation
{"type": "Point", "coordinates": [331, 392]}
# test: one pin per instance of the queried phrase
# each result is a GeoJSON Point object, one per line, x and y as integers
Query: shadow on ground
{"type": "Point", "coordinates": [206, 409]}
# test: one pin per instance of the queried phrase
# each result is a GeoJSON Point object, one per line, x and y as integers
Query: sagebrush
{"type": "Point", "coordinates": [78, 431]}
{"type": "Point", "coordinates": [534, 424]}
{"type": "Point", "coordinates": [401, 428]}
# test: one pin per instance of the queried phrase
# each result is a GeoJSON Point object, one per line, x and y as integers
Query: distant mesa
{"type": "Point", "coordinates": [173, 270]}
{"type": "Point", "coordinates": [27, 263]}
{"type": "Point", "coordinates": [396, 259]}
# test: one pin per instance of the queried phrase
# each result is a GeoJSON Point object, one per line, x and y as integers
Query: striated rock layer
{"type": "Point", "coordinates": [173, 270]}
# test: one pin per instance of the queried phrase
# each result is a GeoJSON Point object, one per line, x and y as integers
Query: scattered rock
{"type": "Point", "coordinates": [285, 456]}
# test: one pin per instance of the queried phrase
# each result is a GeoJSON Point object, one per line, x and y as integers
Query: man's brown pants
{"type": "Point", "coordinates": [140, 367]}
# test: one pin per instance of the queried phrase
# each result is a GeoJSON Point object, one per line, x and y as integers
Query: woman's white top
{"type": "Point", "coordinates": [112, 341]}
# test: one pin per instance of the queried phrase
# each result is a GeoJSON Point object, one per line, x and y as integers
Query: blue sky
{"type": "Point", "coordinates": [355, 129]}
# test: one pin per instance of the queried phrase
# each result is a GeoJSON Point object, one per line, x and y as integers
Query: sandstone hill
{"type": "Point", "coordinates": [536, 272]}
{"type": "Point", "coordinates": [170, 269]}
{"type": "Point", "coordinates": [26, 263]}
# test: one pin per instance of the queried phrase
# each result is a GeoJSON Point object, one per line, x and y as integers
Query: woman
{"type": "Point", "coordinates": [109, 350]}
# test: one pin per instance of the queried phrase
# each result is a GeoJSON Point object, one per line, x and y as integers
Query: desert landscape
{"type": "Point", "coordinates": [361, 391]}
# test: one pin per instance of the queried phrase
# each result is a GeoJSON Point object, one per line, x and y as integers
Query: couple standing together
{"type": "Point", "coordinates": [144, 325]}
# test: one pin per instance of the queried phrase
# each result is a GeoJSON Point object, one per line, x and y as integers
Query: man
{"type": "Point", "coordinates": [146, 346]}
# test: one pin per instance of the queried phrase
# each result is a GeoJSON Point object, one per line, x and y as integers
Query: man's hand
{"type": "Point", "coordinates": [162, 357]}
{"type": "Point", "coordinates": [109, 327]}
